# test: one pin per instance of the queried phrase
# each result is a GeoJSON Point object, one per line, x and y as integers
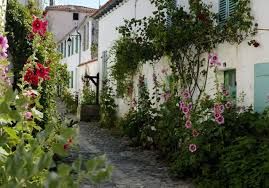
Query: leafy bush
{"type": "Point", "coordinates": [70, 102]}
{"type": "Point", "coordinates": [140, 122]}
{"type": "Point", "coordinates": [108, 106]}
{"type": "Point", "coordinates": [88, 95]}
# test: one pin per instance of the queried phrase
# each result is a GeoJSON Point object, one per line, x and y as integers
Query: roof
{"type": "Point", "coordinates": [72, 8]}
{"type": "Point", "coordinates": [88, 62]}
{"type": "Point", "coordinates": [106, 8]}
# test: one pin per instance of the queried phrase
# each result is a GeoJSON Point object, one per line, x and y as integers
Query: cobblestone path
{"type": "Point", "coordinates": [132, 167]}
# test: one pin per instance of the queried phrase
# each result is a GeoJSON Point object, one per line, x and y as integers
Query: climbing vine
{"type": "Point", "coordinates": [184, 36]}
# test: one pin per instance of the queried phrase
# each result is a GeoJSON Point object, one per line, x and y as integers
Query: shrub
{"type": "Point", "coordinates": [108, 106]}
{"type": "Point", "coordinates": [88, 95]}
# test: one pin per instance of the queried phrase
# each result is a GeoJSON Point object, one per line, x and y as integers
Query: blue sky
{"type": "Point", "coordinates": [88, 3]}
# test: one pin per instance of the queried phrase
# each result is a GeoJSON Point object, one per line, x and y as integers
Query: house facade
{"type": "Point", "coordinates": [77, 41]}
{"type": "Point", "coordinates": [244, 70]}
{"type": "Point", "coordinates": [3, 5]}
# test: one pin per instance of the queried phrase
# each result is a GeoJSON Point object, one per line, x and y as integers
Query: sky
{"type": "Point", "coordinates": [87, 3]}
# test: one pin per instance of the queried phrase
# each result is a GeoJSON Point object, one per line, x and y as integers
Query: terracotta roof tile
{"type": "Point", "coordinates": [72, 8]}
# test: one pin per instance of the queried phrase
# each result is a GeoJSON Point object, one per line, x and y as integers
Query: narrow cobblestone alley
{"type": "Point", "coordinates": [133, 168]}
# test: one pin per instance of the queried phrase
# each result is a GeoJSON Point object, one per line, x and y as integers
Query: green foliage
{"type": "Point", "coordinates": [140, 122]}
{"type": "Point", "coordinates": [70, 102]}
{"type": "Point", "coordinates": [108, 106]}
{"type": "Point", "coordinates": [184, 39]}
{"type": "Point", "coordinates": [18, 27]}
{"type": "Point", "coordinates": [88, 95]}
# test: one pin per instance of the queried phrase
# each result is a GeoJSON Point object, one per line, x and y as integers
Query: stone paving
{"type": "Point", "coordinates": [133, 167]}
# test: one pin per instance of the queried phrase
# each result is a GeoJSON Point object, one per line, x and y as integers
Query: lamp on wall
{"type": "Point", "coordinates": [69, 41]}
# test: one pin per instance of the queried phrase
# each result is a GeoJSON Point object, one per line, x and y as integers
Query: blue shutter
{"type": "Point", "coordinates": [261, 86]}
{"type": "Point", "coordinates": [223, 10]}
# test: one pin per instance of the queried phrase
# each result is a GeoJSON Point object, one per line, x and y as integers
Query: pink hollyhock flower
{"type": "Point", "coordinates": [228, 105]}
{"type": "Point", "coordinates": [3, 46]}
{"type": "Point", "coordinates": [185, 110]}
{"type": "Point", "coordinates": [218, 108]}
{"type": "Point", "coordinates": [220, 120]}
{"type": "Point", "coordinates": [28, 115]}
{"type": "Point", "coordinates": [217, 115]}
{"type": "Point", "coordinates": [186, 94]}
{"type": "Point", "coordinates": [181, 105]}
{"type": "Point", "coordinates": [195, 133]}
{"type": "Point", "coordinates": [214, 60]}
{"type": "Point", "coordinates": [188, 124]}
{"type": "Point", "coordinates": [225, 93]}
{"type": "Point", "coordinates": [192, 148]}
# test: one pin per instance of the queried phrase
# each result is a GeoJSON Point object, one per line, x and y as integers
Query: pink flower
{"type": "Point", "coordinates": [214, 60]}
{"type": "Point", "coordinates": [218, 108]}
{"type": "Point", "coordinates": [220, 120]}
{"type": "Point", "coordinates": [186, 94]}
{"type": "Point", "coordinates": [181, 105]}
{"type": "Point", "coordinates": [192, 148]}
{"type": "Point", "coordinates": [228, 105]}
{"type": "Point", "coordinates": [225, 93]}
{"type": "Point", "coordinates": [3, 46]}
{"type": "Point", "coordinates": [217, 115]}
{"type": "Point", "coordinates": [188, 124]}
{"type": "Point", "coordinates": [195, 133]}
{"type": "Point", "coordinates": [185, 110]}
{"type": "Point", "coordinates": [28, 115]}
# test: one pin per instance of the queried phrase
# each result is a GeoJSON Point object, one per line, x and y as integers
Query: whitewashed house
{"type": "Point", "coordinates": [76, 34]}
{"type": "Point", "coordinates": [244, 68]}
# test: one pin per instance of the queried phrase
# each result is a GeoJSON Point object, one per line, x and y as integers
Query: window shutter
{"type": "Point", "coordinates": [232, 5]}
{"type": "Point", "coordinates": [223, 10]}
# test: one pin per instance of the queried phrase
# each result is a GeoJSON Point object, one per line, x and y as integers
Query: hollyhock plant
{"type": "Point", "coordinates": [188, 124]}
{"type": "Point", "coordinates": [39, 26]}
{"type": "Point", "coordinates": [214, 60]}
{"type": "Point", "coordinates": [228, 105]}
{"type": "Point", "coordinates": [195, 133]}
{"type": "Point", "coordinates": [42, 72]}
{"type": "Point", "coordinates": [192, 148]}
{"type": "Point", "coordinates": [3, 46]}
{"type": "Point", "coordinates": [31, 77]}
{"type": "Point", "coordinates": [28, 115]}
{"type": "Point", "coordinates": [220, 120]}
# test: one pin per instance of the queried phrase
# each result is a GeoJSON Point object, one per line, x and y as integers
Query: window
{"type": "Point", "coordinates": [75, 16]}
{"type": "Point", "coordinates": [71, 79]}
{"type": "Point", "coordinates": [84, 38]}
{"type": "Point", "coordinates": [62, 48]}
{"type": "Point", "coordinates": [72, 46]}
{"type": "Point", "coordinates": [77, 42]}
{"type": "Point", "coordinates": [65, 48]}
{"type": "Point", "coordinates": [226, 8]}
{"type": "Point", "coordinates": [230, 82]}
{"type": "Point", "coordinates": [86, 33]}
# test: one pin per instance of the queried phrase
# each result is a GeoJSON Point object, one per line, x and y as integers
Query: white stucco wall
{"type": "Point", "coordinates": [241, 57]}
{"type": "Point", "coordinates": [3, 4]}
{"type": "Point", "coordinates": [73, 60]}
{"type": "Point", "coordinates": [108, 33]}
{"type": "Point", "coordinates": [61, 22]}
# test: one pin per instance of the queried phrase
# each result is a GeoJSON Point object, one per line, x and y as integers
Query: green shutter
{"type": "Point", "coordinates": [71, 79]}
{"type": "Point", "coordinates": [65, 48]}
{"type": "Point", "coordinates": [223, 5]}
{"type": "Point", "coordinates": [232, 5]}
{"type": "Point", "coordinates": [261, 86]}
